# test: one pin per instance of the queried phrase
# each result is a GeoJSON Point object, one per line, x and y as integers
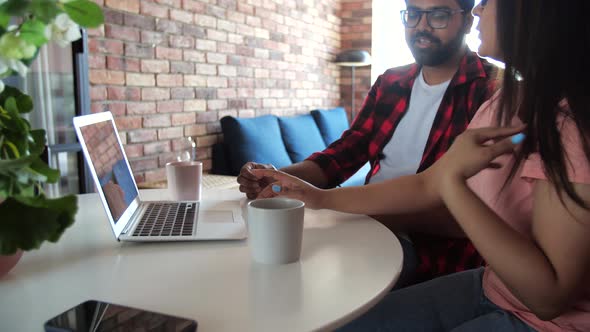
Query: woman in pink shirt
{"type": "Point", "coordinates": [517, 183]}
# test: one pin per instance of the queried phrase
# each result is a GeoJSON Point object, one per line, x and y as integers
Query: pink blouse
{"type": "Point", "coordinates": [515, 205]}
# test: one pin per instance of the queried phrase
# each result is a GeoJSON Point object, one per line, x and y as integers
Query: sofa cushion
{"type": "Point", "coordinates": [301, 136]}
{"type": "Point", "coordinates": [254, 139]}
{"type": "Point", "coordinates": [220, 163]}
{"type": "Point", "coordinates": [331, 122]}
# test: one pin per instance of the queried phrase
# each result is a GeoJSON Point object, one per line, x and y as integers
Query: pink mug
{"type": "Point", "coordinates": [184, 180]}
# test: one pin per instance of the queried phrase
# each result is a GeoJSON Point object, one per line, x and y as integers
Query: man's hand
{"type": "Point", "coordinates": [250, 184]}
{"type": "Point", "coordinates": [287, 185]}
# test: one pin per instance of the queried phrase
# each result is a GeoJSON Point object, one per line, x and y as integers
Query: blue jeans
{"type": "Point", "coordinates": [451, 303]}
{"type": "Point", "coordinates": [410, 264]}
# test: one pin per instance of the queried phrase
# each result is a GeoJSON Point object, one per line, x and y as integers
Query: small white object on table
{"type": "Point", "coordinates": [348, 263]}
{"type": "Point", "coordinates": [214, 181]}
{"type": "Point", "coordinates": [210, 181]}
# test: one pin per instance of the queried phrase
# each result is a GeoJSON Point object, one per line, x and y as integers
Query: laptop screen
{"type": "Point", "coordinates": [108, 160]}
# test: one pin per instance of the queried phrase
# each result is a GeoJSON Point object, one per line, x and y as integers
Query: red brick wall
{"type": "Point", "coordinates": [168, 69]}
{"type": "Point", "coordinates": [102, 146]}
{"type": "Point", "coordinates": [356, 18]}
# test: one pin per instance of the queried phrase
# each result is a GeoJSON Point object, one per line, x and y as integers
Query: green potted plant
{"type": "Point", "coordinates": [27, 216]}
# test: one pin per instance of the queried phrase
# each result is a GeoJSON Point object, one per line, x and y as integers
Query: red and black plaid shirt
{"type": "Point", "coordinates": [384, 107]}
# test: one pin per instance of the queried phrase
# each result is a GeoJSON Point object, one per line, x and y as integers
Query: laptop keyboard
{"type": "Point", "coordinates": [167, 219]}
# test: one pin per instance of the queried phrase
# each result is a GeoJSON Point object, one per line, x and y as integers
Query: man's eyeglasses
{"type": "Point", "coordinates": [483, 3]}
{"type": "Point", "coordinates": [436, 18]}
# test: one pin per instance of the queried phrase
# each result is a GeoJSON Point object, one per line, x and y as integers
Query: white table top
{"type": "Point", "coordinates": [348, 263]}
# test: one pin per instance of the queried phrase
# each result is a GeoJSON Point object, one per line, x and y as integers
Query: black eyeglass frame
{"type": "Point", "coordinates": [428, 13]}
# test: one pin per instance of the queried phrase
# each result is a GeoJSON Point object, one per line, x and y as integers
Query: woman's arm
{"type": "Point", "coordinates": [403, 204]}
{"type": "Point", "coordinates": [547, 272]}
{"type": "Point", "coordinates": [401, 195]}
{"type": "Point", "coordinates": [405, 194]}
{"type": "Point", "coordinates": [437, 221]}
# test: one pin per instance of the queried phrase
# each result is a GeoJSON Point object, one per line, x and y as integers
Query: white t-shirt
{"type": "Point", "coordinates": [403, 153]}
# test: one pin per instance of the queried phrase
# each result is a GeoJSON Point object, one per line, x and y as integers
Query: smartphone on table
{"type": "Point", "coordinates": [98, 316]}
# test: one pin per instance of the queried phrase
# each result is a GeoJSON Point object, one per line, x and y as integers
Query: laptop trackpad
{"type": "Point", "coordinates": [216, 217]}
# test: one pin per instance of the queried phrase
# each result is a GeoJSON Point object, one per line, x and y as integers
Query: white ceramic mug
{"type": "Point", "coordinates": [185, 180]}
{"type": "Point", "coordinates": [275, 227]}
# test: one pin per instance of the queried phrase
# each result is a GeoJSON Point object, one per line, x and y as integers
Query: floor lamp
{"type": "Point", "coordinates": [353, 59]}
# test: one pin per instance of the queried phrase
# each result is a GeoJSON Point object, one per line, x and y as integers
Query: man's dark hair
{"type": "Point", "coordinates": [466, 5]}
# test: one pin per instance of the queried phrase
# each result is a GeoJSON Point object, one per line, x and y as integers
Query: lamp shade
{"type": "Point", "coordinates": [353, 58]}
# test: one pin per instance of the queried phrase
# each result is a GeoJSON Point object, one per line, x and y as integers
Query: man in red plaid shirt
{"type": "Point", "coordinates": [409, 119]}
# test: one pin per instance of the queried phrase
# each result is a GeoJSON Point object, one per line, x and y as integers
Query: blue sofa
{"type": "Point", "coordinates": [280, 141]}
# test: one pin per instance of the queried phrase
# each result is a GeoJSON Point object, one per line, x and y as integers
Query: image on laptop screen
{"type": "Point", "coordinates": [108, 161]}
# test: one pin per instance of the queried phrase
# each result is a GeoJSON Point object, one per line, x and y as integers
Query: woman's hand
{"type": "Point", "coordinates": [289, 186]}
{"type": "Point", "coordinates": [249, 184]}
{"type": "Point", "coordinates": [475, 150]}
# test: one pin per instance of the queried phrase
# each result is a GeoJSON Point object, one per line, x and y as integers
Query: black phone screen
{"type": "Point", "coordinates": [95, 316]}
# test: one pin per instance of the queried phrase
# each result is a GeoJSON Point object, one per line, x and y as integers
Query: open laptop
{"type": "Point", "coordinates": [135, 220]}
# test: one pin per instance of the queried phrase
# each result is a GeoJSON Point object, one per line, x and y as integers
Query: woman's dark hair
{"type": "Point", "coordinates": [544, 44]}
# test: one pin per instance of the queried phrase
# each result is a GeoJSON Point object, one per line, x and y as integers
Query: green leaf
{"type": "Point", "coordinates": [84, 12]}
{"type": "Point", "coordinates": [24, 102]}
{"type": "Point", "coordinates": [17, 124]}
{"type": "Point", "coordinates": [37, 146]}
{"type": "Point", "coordinates": [13, 46]}
{"type": "Point", "coordinates": [29, 221]}
{"type": "Point", "coordinates": [10, 106]}
{"type": "Point", "coordinates": [14, 139]}
{"type": "Point", "coordinates": [33, 31]}
{"type": "Point", "coordinates": [45, 10]}
{"type": "Point", "coordinates": [29, 61]}
{"type": "Point", "coordinates": [51, 175]}
{"type": "Point", "coordinates": [12, 109]}
{"type": "Point", "coordinates": [4, 21]}
{"type": "Point", "coordinates": [15, 7]}
{"type": "Point", "coordinates": [24, 178]}
{"type": "Point", "coordinates": [4, 186]}
{"type": "Point", "coordinates": [26, 190]}
{"type": "Point", "coordinates": [9, 166]}
{"type": "Point", "coordinates": [27, 178]}
{"type": "Point", "coordinates": [13, 149]}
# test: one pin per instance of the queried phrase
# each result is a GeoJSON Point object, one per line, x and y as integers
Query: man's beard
{"type": "Point", "coordinates": [439, 53]}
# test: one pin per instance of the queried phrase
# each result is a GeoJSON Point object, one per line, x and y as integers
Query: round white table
{"type": "Point", "coordinates": [348, 263]}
